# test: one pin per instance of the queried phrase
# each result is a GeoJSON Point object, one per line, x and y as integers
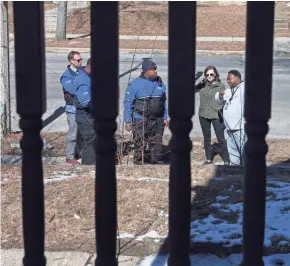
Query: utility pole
{"type": "Point", "coordinates": [61, 15]}
{"type": "Point", "coordinates": [4, 71]}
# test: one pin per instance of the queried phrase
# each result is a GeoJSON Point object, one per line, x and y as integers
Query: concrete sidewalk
{"type": "Point", "coordinates": [13, 257]}
{"type": "Point", "coordinates": [163, 38]}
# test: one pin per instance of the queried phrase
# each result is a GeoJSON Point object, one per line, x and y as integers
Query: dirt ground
{"type": "Point", "coordinates": [151, 19]}
{"type": "Point", "coordinates": [220, 21]}
{"type": "Point", "coordinates": [279, 149]}
{"type": "Point", "coordinates": [142, 207]}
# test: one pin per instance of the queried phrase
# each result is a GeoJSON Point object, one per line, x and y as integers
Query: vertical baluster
{"type": "Point", "coordinates": [105, 97]}
{"type": "Point", "coordinates": [31, 104]}
{"type": "Point", "coordinates": [182, 19]}
{"type": "Point", "coordinates": [258, 86]}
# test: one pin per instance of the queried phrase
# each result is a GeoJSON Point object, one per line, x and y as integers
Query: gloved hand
{"type": "Point", "coordinates": [198, 75]}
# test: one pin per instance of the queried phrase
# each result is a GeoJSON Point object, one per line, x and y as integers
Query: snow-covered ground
{"type": "Point", "coordinates": [215, 230]}
{"type": "Point", "coordinates": [211, 260]}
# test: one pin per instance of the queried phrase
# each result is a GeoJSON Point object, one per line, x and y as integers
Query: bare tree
{"type": "Point", "coordinates": [60, 33]}
{"type": "Point", "coordinates": [4, 71]}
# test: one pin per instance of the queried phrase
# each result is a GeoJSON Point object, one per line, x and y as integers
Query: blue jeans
{"type": "Point", "coordinates": [235, 143]}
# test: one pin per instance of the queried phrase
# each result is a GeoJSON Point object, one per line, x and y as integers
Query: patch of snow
{"type": "Point", "coordinates": [15, 145]}
{"type": "Point", "coordinates": [60, 176]}
{"type": "Point", "coordinates": [283, 243]}
{"type": "Point", "coordinates": [125, 235]}
{"type": "Point", "coordinates": [148, 179]}
{"type": "Point", "coordinates": [152, 234]}
{"type": "Point", "coordinates": [212, 260]}
{"type": "Point", "coordinates": [216, 205]}
{"type": "Point", "coordinates": [216, 231]}
{"type": "Point", "coordinates": [219, 231]}
{"type": "Point", "coordinates": [213, 230]}
{"type": "Point", "coordinates": [225, 210]}
{"type": "Point", "coordinates": [221, 198]}
{"type": "Point", "coordinates": [278, 184]}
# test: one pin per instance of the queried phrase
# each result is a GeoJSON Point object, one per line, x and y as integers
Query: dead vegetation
{"type": "Point", "coordinates": [279, 149]}
{"type": "Point", "coordinates": [70, 205]}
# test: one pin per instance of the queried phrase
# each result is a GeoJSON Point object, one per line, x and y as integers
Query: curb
{"type": "Point", "coordinates": [276, 56]}
{"type": "Point", "coordinates": [146, 51]}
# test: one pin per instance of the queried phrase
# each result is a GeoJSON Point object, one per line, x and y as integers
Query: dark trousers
{"type": "Point", "coordinates": [219, 131]}
{"type": "Point", "coordinates": [147, 138]}
{"type": "Point", "coordinates": [79, 144]}
{"type": "Point", "coordinates": [86, 128]}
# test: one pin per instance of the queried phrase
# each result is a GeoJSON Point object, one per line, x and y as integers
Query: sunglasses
{"type": "Point", "coordinates": [78, 60]}
{"type": "Point", "coordinates": [210, 74]}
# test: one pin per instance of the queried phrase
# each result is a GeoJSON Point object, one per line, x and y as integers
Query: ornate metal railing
{"type": "Point", "coordinates": [31, 104]}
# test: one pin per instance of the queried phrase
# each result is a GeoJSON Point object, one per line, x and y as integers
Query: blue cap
{"type": "Point", "coordinates": [148, 65]}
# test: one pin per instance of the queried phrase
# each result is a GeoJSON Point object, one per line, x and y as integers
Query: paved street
{"type": "Point", "coordinates": [56, 63]}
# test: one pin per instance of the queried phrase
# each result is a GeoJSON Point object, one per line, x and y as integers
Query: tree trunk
{"type": "Point", "coordinates": [4, 71]}
{"type": "Point", "coordinates": [60, 33]}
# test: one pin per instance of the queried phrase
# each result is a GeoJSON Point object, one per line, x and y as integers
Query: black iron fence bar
{"type": "Point", "coordinates": [182, 37]}
{"type": "Point", "coordinates": [31, 104]}
{"type": "Point", "coordinates": [258, 85]}
{"type": "Point", "coordinates": [105, 98]}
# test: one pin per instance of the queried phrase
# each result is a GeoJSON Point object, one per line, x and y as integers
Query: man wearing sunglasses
{"type": "Point", "coordinates": [146, 114]}
{"type": "Point", "coordinates": [70, 82]}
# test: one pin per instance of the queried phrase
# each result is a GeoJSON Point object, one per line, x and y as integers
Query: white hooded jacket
{"type": "Point", "coordinates": [233, 111]}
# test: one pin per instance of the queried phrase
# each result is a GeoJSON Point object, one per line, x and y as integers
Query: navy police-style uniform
{"type": "Point", "coordinates": [85, 119]}
{"type": "Point", "coordinates": [145, 109]}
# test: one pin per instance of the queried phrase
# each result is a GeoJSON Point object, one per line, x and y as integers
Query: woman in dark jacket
{"type": "Point", "coordinates": [209, 113]}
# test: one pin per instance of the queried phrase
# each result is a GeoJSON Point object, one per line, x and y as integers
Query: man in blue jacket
{"type": "Point", "coordinates": [146, 114]}
{"type": "Point", "coordinates": [84, 118]}
{"type": "Point", "coordinates": [70, 81]}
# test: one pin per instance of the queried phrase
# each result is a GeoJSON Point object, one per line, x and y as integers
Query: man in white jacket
{"type": "Point", "coordinates": [233, 116]}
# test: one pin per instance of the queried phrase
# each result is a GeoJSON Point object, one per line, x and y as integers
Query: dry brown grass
{"type": "Point", "coordinates": [279, 149]}
{"type": "Point", "coordinates": [70, 212]}
{"type": "Point", "coordinates": [69, 206]}
{"type": "Point", "coordinates": [152, 19]}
